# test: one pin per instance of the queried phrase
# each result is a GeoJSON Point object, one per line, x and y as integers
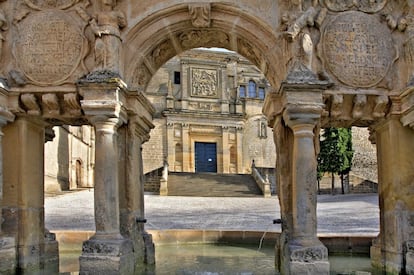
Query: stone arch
{"type": "Point", "coordinates": [153, 41]}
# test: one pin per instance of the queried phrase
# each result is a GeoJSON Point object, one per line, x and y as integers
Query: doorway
{"type": "Point", "coordinates": [205, 157]}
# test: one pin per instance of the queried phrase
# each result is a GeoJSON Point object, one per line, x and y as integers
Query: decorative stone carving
{"type": "Point", "coordinates": [107, 27]}
{"type": "Point", "coordinates": [205, 38]}
{"type": "Point", "coordinates": [203, 82]}
{"type": "Point", "coordinates": [50, 4]}
{"type": "Point", "coordinates": [200, 15]}
{"type": "Point", "coordinates": [30, 103]}
{"type": "Point", "coordinates": [381, 104]}
{"type": "Point", "coordinates": [141, 75]}
{"type": "Point", "coordinates": [357, 49]}
{"type": "Point", "coordinates": [51, 104]}
{"type": "Point", "coordinates": [336, 106]}
{"type": "Point", "coordinates": [162, 53]}
{"type": "Point", "coordinates": [359, 103]}
{"type": "Point", "coordinates": [250, 52]}
{"type": "Point", "coordinates": [72, 104]}
{"type": "Point", "coordinates": [49, 47]}
{"type": "Point", "coordinates": [368, 6]}
{"type": "Point", "coordinates": [3, 27]}
{"type": "Point", "coordinates": [408, 45]}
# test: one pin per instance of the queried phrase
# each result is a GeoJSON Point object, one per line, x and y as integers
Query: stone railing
{"type": "Point", "coordinates": [263, 183]}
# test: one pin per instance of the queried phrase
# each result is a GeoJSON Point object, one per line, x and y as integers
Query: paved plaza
{"type": "Point", "coordinates": [353, 214]}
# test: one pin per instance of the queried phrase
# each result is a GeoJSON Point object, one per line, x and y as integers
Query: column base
{"type": "Point", "coordinates": [50, 253]}
{"type": "Point", "coordinates": [391, 262]}
{"type": "Point", "coordinates": [107, 256]}
{"type": "Point", "coordinates": [304, 256]}
{"type": "Point", "coordinates": [163, 187]}
{"type": "Point", "coordinates": [149, 249]}
{"type": "Point", "coordinates": [8, 262]}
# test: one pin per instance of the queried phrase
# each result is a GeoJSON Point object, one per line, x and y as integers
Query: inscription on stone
{"type": "Point", "coordinates": [203, 82]}
{"type": "Point", "coordinates": [49, 48]}
{"type": "Point", "coordinates": [357, 49]}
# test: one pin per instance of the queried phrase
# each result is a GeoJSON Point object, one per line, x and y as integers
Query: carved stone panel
{"type": "Point", "coordinates": [357, 49]}
{"type": "Point", "coordinates": [49, 47]}
{"type": "Point", "coordinates": [362, 5]}
{"type": "Point", "coordinates": [204, 82]}
{"type": "Point", "coordinates": [50, 4]}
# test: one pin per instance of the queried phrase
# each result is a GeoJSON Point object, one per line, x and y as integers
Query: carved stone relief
{"type": "Point", "coordinates": [357, 49]}
{"type": "Point", "coordinates": [50, 47]}
{"type": "Point", "coordinates": [50, 4]}
{"type": "Point", "coordinates": [141, 75]}
{"type": "Point", "coordinates": [162, 53]}
{"type": "Point", "coordinates": [203, 82]}
{"type": "Point", "coordinates": [368, 6]}
{"type": "Point", "coordinates": [205, 38]}
{"type": "Point", "coordinates": [200, 15]}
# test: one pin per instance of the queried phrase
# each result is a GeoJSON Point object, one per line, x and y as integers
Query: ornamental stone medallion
{"type": "Point", "coordinates": [49, 47]}
{"type": "Point", "coordinates": [357, 49]}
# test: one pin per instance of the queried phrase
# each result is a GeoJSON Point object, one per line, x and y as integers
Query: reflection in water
{"type": "Point", "coordinates": [222, 260]}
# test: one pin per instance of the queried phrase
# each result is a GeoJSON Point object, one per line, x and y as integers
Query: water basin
{"type": "Point", "coordinates": [219, 259]}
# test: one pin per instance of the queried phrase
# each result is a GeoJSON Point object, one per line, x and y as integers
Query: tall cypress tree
{"type": "Point", "coordinates": [336, 153]}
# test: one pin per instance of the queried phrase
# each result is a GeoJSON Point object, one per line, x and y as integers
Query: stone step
{"type": "Point", "coordinates": [212, 185]}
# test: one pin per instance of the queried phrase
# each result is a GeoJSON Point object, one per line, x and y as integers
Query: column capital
{"type": "Point", "coordinates": [299, 115]}
{"type": "Point", "coordinates": [103, 98]}
{"type": "Point", "coordinates": [407, 107]}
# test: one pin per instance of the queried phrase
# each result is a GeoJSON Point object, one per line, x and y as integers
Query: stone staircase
{"type": "Point", "coordinates": [212, 185]}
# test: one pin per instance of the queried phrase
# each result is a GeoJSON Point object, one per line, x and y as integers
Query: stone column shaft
{"type": "Point", "coordinates": [106, 177]}
{"type": "Point", "coordinates": [304, 182]}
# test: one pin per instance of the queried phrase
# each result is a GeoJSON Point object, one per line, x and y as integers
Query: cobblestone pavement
{"type": "Point", "coordinates": [354, 214]}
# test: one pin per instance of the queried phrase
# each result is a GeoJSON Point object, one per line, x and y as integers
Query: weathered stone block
{"type": "Point", "coordinates": [107, 257]}
{"type": "Point", "coordinates": [7, 255]}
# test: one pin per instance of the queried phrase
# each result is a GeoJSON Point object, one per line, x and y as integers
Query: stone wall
{"type": "Point", "coordinates": [154, 151]}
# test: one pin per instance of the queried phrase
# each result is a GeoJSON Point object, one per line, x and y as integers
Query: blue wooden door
{"type": "Point", "coordinates": [206, 157]}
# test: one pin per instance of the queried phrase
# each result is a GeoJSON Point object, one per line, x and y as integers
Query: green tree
{"type": "Point", "coordinates": [336, 153]}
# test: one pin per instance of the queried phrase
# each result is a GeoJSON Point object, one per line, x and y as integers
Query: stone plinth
{"type": "Point", "coordinates": [7, 255]}
{"type": "Point", "coordinates": [106, 256]}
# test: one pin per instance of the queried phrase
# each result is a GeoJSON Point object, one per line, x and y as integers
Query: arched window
{"type": "Point", "coordinates": [252, 88]}
{"type": "Point", "coordinates": [242, 91]}
{"type": "Point", "coordinates": [262, 93]}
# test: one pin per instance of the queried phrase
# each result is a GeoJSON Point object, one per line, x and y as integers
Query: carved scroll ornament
{"type": "Point", "coordinates": [200, 15]}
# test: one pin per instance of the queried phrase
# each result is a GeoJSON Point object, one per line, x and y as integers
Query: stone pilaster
{"type": "Point", "coordinates": [23, 197]}
{"type": "Point", "coordinates": [187, 164]}
{"type": "Point", "coordinates": [392, 251]}
{"type": "Point", "coordinates": [107, 252]}
{"type": "Point", "coordinates": [225, 149]}
{"type": "Point", "coordinates": [7, 244]}
{"type": "Point", "coordinates": [136, 132]}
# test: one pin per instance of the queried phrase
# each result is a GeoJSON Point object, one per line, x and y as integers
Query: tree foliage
{"type": "Point", "coordinates": [336, 152]}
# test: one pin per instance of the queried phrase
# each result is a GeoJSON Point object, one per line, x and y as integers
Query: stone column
{"type": "Point", "coordinates": [239, 141]}
{"type": "Point", "coordinates": [171, 148]}
{"type": "Point", "coordinates": [187, 164]}
{"type": "Point", "coordinates": [7, 244]}
{"type": "Point", "coordinates": [393, 250]}
{"type": "Point", "coordinates": [23, 197]}
{"type": "Point", "coordinates": [106, 252]}
{"type": "Point", "coordinates": [295, 113]}
{"type": "Point", "coordinates": [225, 150]}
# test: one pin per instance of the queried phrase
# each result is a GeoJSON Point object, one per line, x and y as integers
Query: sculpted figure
{"type": "Point", "coordinates": [409, 43]}
{"type": "Point", "coordinates": [3, 27]}
{"type": "Point", "coordinates": [106, 27]}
